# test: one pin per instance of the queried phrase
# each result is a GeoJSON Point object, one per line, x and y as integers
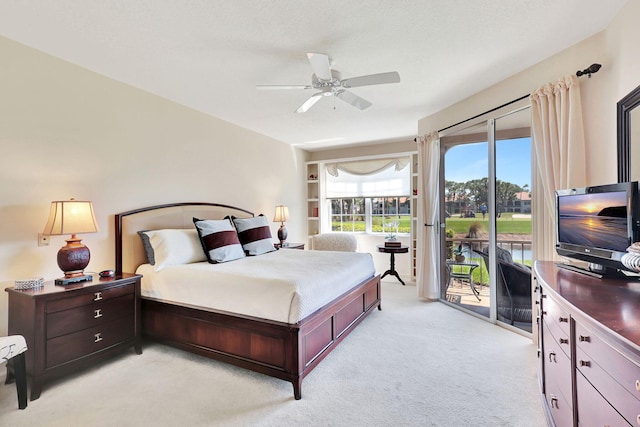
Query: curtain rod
{"type": "Point", "coordinates": [486, 112]}
{"type": "Point", "coordinates": [592, 69]}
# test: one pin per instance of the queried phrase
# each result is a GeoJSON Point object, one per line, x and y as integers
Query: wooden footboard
{"type": "Point", "coordinates": [281, 350]}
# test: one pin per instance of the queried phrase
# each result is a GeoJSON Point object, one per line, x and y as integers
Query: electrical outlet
{"type": "Point", "coordinates": [43, 239]}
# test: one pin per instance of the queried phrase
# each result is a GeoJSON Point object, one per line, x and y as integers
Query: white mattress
{"type": "Point", "coordinates": [285, 285]}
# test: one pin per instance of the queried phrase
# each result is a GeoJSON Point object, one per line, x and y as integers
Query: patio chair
{"type": "Point", "coordinates": [513, 284]}
{"type": "Point", "coordinates": [334, 242]}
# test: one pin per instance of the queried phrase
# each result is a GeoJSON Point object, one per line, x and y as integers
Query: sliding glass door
{"type": "Point", "coordinates": [486, 239]}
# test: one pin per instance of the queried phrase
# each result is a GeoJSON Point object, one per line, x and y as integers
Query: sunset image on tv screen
{"type": "Point", "coordinates": [597, 220]}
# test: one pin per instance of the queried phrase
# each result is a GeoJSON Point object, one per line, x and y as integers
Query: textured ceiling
{"type": "Point", "coordinates": [210, 54]}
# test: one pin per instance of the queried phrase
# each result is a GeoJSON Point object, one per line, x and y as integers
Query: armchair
{"type": "Point", "coordinates": [334, 242]}
{"type": "Point", "coordinates": [513, 284]}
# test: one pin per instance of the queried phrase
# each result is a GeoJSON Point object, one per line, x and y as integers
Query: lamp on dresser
{"type": "Point", "coordinates": [281, 216]}
{"type": "Point", "coordinates": [72, 217]}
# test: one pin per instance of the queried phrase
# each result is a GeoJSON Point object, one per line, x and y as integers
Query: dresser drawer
{"type": "Point", "coordinates": [561, 410]}
{"type": "Point", "coordinates": [556, 316]}
{"type": "Point", "coordinates": [557, 368]}
{"type": "Point", "coordinates": [84, 298]}
{"type": "Point", "coordinates": [593, 409]}
{"type": "Point", "coordinates": [69, 347]}
{"type": "Point", "coordinates": [619, 383]}
{"type": "Point", "coordinates": [561, 338]}
{"type": "Point", "coordinates": [89, 316]}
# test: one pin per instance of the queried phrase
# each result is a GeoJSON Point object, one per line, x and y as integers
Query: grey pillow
{"type": "Point", "coordinates": [148, 249]}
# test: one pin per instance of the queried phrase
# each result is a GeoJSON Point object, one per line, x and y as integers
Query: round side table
{"type": "Point", "coordinates": [393, 251]}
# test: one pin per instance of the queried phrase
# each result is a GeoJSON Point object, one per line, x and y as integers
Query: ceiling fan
{"type": "Point", "coordinates": [328, 82]}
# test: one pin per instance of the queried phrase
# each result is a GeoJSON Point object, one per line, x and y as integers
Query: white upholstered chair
{"type": "Point", "coordinates": [334, 242]}
{"type": "Point", "coordinates": [12, 349]}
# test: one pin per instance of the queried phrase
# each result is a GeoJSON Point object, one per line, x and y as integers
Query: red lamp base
{"type": "Point", "coordinates": [72, 260]}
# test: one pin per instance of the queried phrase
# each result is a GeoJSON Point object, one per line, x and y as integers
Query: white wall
{"type": "Point", "coordinates": [616, 48]}
{"type": "Point", "coordinates": [68, 132]}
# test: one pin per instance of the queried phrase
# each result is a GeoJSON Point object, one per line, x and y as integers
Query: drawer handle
{"type": "Point", "coordinates": [638, 387]}
{"type": "Point", "coordinates": [97, 296]}
{"type": "Point", "coordinates": [544, 312]}
{"type": "Point", "coordinates": [543, 295]}
{"type": "Point", "coordinates": [585, 363]}
{"type": "Point", "coordinates": [564, 340]}
{"type": "Point", "coordinates": [97, 337]}
{"type": "Point", "coordinates": [97, 313]}
{"type": "Point", "coordinates": [584, 338]}
{"type": "Point", "coordinates": [554, 402]}
{"type": "Point", "coordinates": [554, 357]}
{"type": "Point", "coordinates": [563, 319]}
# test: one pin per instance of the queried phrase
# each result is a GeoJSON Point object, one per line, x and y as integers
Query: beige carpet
{"type": "Point", "coordinates": [412, 364]}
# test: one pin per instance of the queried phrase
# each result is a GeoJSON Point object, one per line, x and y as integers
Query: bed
{"type": "Point", "coordinates": [281, 344]}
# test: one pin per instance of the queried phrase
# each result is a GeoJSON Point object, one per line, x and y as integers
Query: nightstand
{"type": "Point", "coordinates": [289, 246]}
{"type": "Point", "coordinates": [68, 328]}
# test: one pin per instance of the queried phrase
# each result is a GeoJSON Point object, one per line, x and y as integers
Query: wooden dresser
{"type": "Point", "coordinates": [71, 327]}
{"type": "Point", "coordinates": [589, 332]}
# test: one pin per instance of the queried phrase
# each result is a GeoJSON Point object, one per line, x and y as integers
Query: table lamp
{"type": "Point", "coordinates": [282, 215]}
{"type": "Point", "coordinates": [71, 217]}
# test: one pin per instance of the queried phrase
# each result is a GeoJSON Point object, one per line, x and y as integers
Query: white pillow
{"type": "Point", "coordinates": [175, 246]}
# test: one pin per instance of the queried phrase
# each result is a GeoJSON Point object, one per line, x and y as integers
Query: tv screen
{"type": "Point", "coordinates": [597, 220]}
{"type": "Point", "coordinates": [597, 224]}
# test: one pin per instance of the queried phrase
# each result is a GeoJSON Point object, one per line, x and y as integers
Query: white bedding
{"type": "Point", "coordinates": [285, 285]}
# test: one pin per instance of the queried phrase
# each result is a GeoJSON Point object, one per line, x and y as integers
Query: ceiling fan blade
{"type": "Point", "coordinates": [276, 87]}
{"type": "Point", "coordinates": [320, 64]}
{"type": "Point", "coordinates": [309, 103]}
{"type": "Point", "coordinates": [353, 99]}
{"type": "Point", "coordinates": [372, 79]}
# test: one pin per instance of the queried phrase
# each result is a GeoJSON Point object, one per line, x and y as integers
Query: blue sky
{"type": "Point", "coordinates": [470, 161]}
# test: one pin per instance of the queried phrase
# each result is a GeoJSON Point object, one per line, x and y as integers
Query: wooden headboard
{"type": "Point", "coordinates": [129, 250]}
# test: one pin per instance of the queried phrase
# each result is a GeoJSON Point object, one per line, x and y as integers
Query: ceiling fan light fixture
{"type": "Point", "coordinates": [329, 82]}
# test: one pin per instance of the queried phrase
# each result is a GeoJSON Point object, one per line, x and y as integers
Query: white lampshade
{"type": "Point", "coordinates": [70, 217]}
{"type": "Point", "coordinates": [282, 214]}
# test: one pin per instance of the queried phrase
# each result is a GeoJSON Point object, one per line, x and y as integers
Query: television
{"type": "Point", "coordinates": [597, 224]}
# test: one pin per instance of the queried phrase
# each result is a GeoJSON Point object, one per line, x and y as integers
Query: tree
{"type": "Point", "coordinates": [478, 190]}
{"type": "Point", "coordinates": [454, 193]}
{"type": "Point", "coordinates": [506, 192]}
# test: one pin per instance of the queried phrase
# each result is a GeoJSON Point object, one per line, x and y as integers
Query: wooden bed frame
{"type": "Point", "coordinates": [281, 350]}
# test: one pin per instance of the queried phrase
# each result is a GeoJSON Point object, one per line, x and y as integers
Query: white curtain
{"type": "Point", "coordinates": [558, 155]}
{"type": "Point", "coordinates": [427, 242]}
{"type": "Point", "coordinates": [367, 167]}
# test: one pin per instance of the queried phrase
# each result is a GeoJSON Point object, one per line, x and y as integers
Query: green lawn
{"type": "Point", "coordinates": [404, 225]}
{"type": "Point", "coordinates": [505, 224]}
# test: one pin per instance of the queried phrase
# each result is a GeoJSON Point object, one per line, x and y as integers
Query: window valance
{"type": "Point", "coordinates": [366, 167]}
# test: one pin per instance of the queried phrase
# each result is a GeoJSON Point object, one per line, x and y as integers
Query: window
{"type": "Point", "coordinates": [348, 214]}
{"type": "Point", "coordinates": [369, 196]}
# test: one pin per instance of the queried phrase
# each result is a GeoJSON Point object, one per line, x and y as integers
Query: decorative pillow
{"type": "Point", "coordinates": [254, 234]}
{"type": "Point", "coordinates": [174, 247]}
{"type": "Point", "coordinates": [219, 240]}
{"type": "Point", "coordinates": [148, 249]}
